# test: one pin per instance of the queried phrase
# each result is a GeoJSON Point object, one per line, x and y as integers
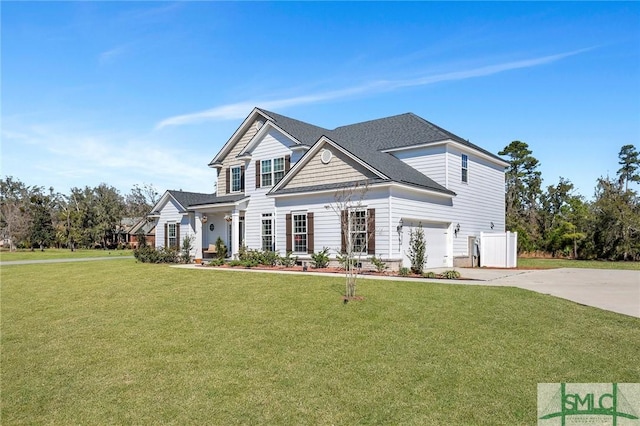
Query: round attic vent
{"type": "Point", "coordinates": [326, 156]}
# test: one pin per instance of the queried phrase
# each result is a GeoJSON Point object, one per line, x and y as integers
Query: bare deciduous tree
{"type": "Point", "coordinates": [346, 202]}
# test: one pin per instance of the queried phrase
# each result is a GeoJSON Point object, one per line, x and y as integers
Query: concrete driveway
{"type": "Point", "coordinates": [612, 290]}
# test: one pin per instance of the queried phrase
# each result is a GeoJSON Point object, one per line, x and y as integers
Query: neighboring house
{"type": "Point", "coordinates": [145, 226]}
{"type": "Point", "coordinates": [278, 179]}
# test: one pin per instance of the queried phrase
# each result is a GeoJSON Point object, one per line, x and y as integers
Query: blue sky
{"type": "Point", "coordinates": [148, 92]}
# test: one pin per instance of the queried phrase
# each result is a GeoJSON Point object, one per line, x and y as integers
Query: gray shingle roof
{"type": "Point", "coordinates": [368, 139]}
{"type": "Point", "coordinates": [219, 200]}
{"type": "Point", "coordinates": [305, 133]}
{"type": "Point", "coordinates": [192, 199]}
{"type": "Point", "coordinates": [187, 199]}
{"type": "Point", "coordinates": [329, 186]}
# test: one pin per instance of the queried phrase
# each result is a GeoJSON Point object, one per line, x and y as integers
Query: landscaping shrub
{"type": "Point", "coordinates": [216, 262]}
{"type": "Point", "coordinates": [270, 258]}
{"type": "Point", "coordinates": [151, 255]}
{"type": "Point", "coordinates": [430, 274]}
{"type": "Point", "coordinates": [288, 261]}
{"type": "Point", "coordinates": [343, 260]}
{"type": "Point", "coordinates": [320, 259]}
{"type": "Point", "coordinates": [221, 249]}
{"type": "Point", "coordinates": [185, 251]}
{"type": "Point", "coordinates": [404, 271]}
{"type": "Point", "coordinates": [417, 250]}
{"type": "Point", "coordinates": [451, 275]}
{"type": "Point", "coordinates": [379, 264]}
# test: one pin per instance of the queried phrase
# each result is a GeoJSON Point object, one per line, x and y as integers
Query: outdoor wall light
{"type": "Point", "coordinates": [492, 225]}
{"type": "Point", "coordinates": [399, 227]}
{"type": "Point", "coordinates": [228, 218]}
{"type": "Point", "coordinates": [204, 218]}
{"type": "Point", "coordinates": [455, 231]}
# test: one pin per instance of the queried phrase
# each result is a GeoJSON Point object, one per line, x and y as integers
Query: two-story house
{"type": "Point", "coordinates": [281, 181]}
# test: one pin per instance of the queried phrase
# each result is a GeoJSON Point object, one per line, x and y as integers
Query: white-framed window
{"type": "Point", "coordinates": [266, 175]}
{"type": "Point", "coordinates": [278, 169]}
{"type": "Point", "coordinates": [267, 232]}
{"type": "Point", "coordinates": [358, 230]}
{"type": "Point", "coordinates": [236, 179]}
{"type": "Point", "coordinates": [271, 171]}
{"type": "Point", "coordinates": [465, 168]}
{"type": "Point", "coordinates": [299, 232]}
{"type": "Point", "coordinates": [172, 235]}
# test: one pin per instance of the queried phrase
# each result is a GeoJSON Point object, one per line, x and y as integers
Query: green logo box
{"type": "Point", "coordinates": [576, 404]}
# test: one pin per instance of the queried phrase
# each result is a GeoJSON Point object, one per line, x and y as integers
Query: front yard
{"type": "Point", "coordinates": [120, 342]}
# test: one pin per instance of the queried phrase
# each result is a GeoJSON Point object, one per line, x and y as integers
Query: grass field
{"type": "Point", "coordinates": [60, 254]}
{"type": "Point", "coordinates": [120, 342]}
{"type": "Point", "coordinates": [569, 263]}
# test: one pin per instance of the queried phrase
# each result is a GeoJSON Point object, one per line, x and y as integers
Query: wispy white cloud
{"type": "Point", "coordinates": [241, 109]}
{"type": "Point", "coordinates": [111, 55]}
{"type": "Point", "coordinates": [64, 158]}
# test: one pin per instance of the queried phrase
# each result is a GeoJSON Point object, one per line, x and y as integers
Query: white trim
{"type": "Point", "coordinates": [261, 133]}
{"type": "Point", "coordinates": [221, 205]}
{"type": "Point", "coordinates": [373, 185]}
{"type": "Point", "coordinates": [272, 171]}
{"type": "Point", "coordinates": [305, 214]}
{"type": "Point", "coordinates": [454, 144]}
{"type": "Point", "coordinates": [231, 169]}
{"type": "Point", "coordinates": [315, 149]}
{"type": "Point", "coordinates": [163, 201]}
{"type": "Point", "coordinates": [244, 126]}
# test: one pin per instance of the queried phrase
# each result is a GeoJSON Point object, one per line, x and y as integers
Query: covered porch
{"type": "Point", "coordinates": [223, 220]}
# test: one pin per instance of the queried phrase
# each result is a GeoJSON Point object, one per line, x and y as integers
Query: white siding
{"type": "Point", "coordinates": [415, 207]}
{"type": "Point", "coordinates": [429, 161]}
{"type": "Point", "coordinates": [170, 213]}
{"type": "Point", "coordinates": [273, 145]}
{"type": "Point", "coordinates": [327, 231]}
{"type": "Point", "coordinates": [479, 201]}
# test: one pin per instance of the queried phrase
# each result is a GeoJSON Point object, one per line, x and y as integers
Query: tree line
{"type": "Point", "coordinates": [552, 220]}
{"type": "Point", "coordinates": [557, 221]}
{"type": "Point", "coordinates": [32, 217]}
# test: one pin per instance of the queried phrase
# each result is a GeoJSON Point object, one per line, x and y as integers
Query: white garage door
{"type": "Point", "coordinates": [435, 235]}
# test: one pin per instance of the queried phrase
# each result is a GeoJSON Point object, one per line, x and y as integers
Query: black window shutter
{"type": "Point", "coordinates": [287, 163]}
{"type": "Point", "coordinates": [310, 235]}
{"type": "Point", "coordinates": [177, 236]}
{"type": "Point", "coordinates": [241, 178]}
{"type": "Point", "coordinates": [288, 232]}
{"type": "Point", "coordinates": [344, 225]}
{"type": "Point", "coordinates": [371, 231]}
{"type": "Point", "coordinates": [228, 173]}
{"type": "Point", "coordinates": [257, 173]}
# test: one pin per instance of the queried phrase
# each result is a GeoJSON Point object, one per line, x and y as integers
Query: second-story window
{"type": "Point", "coordinates": [465, 168]}
{"type": "Point", "coordinates": [267, 177]}
{"type": "Point", "coordinates": [236, 179]}
{"type": "Point", "coordinates": [278, 169]}
{"type": "Point", "coordinates": [271, 171]}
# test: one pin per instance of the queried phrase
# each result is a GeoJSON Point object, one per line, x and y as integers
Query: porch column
{"type": "Point", "coordinates": [235, 233]}
{"type": "Point", "coordinates": [197, 243]}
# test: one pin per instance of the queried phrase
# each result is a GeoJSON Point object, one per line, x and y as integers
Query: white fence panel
{"type": "Point", "coordinates": [499, 250]}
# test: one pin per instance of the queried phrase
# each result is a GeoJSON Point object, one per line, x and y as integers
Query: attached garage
{"type": "Point", "coordinates": [437, 240]}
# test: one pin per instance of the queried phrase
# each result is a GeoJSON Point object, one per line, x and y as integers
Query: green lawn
{"type": "Point", "coordinates": [569, 263]}
{"type": "Point", "coordinates": [127, 343]}
{"type": "Point", "coordinates": [60, 254]}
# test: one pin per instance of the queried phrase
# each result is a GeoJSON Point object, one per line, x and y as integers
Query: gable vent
{"type": "Point", "coordinates": [326, 156]}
